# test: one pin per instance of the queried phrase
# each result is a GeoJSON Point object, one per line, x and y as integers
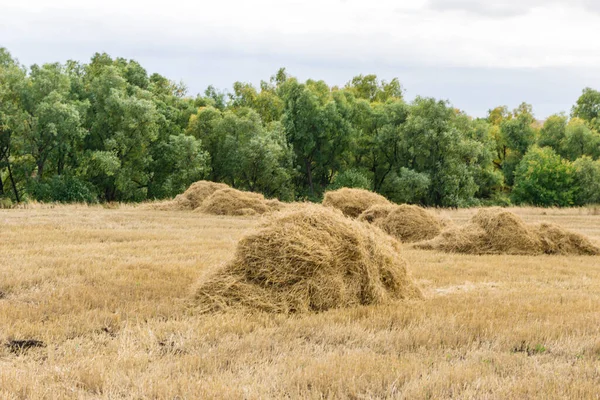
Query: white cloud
{"type": "Point", "coordinates": [539, 33]}
{"type": "Point", "coordinates": [507, 8]}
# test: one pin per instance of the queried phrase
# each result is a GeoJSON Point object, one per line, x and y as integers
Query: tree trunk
{"type": "Point", "coordinates": [12, 180]}
{"type": "Point", "coordinates": [379, 182]}
{"type": "Point", "coordinates": [40, 169]}
{"type": "Point", "coordinates": [309, 175]}
{"type": "Point", "coordinates": [60, 163]}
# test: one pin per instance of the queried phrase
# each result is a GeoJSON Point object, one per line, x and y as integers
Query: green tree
{"type": "Point", "coordinates": [123, 125]}
{"type": "Point", "coordinates": [266, 162]}
{"type": "Point", "coordinates": [516, 135]}
{"type": "Point", "coordinates": [480, 145]}
{"type": "Point", "coordinates": [243, 152]}
{"type": "Point", "coordinates": [407, 186]}
{"type": "Point", "coordinates": [14, 166]}
{"type": "Point", "coordinates": [55, 129]}
{"type": "Point", "coordinates": [368, 87]}
{"type": "Point", "coordinates": [579, 140]}
{"type": "Point", "coordinates": [319, 131]}
{"type": "Point", "coordinates": [54, 123]}
{"type": "Point", "coordinates": [433, 145]}
{"type": "Point", "coordinates": [62, 189]}
{"type": "Point", "coordinates": [588, 107]}
{"type": "Point", "coordinates": [553, 132]}
{"type": "Point", "coordinates": [587, 178]}
{"type": "Point", "coordinates": [216, 98]}
{"type": "Point", "coordinates": [203, 125]}
{"type": "Point", "coordinates": [543, 178]}
{"type": "Point", "coordinates": [177, 163]}
{"type": "Point", "coordinates": [378, 138]}
{"type": "Point", "coordinates": [266, 102]}
{"type": "Point", "coordinates": [351, 178]}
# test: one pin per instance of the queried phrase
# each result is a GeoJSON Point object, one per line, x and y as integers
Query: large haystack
{"type": "Point", "coordinates": [192, 198]}
{"type": "Point", "coordinates": [406, 222]}
{"type": "Point", "coordinates": [496, 231]}
{"type": "Point", "coordinates": [352, 202]}
{"type": "Point", "coordinates": [235, 202]}
{"type": "Point", "coordinates": [309, 258]}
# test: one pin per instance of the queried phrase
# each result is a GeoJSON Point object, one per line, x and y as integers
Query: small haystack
{"type": "Point", "coordinates": [235, 202]}
{"type": "Point", "coordinates": [557, 240]}
{"type": "Point", "coordinates": [352, 202]}
{"type": "Point", "coordinates": [309, 258]}
{"type": "Point", "coordinates": [191, 199]}
{"type": "Point", "coordinates": [496, 231]}
{"type": "Point", "coordinates": [406, 222]}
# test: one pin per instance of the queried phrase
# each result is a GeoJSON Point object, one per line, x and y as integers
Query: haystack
{"type": "Point", "coordinates": [352, 202]}
{"type": "Point", "coordinates": [192, 198]}
{"type": "Point", "coordinates": [406, 222]}
{"type": "Point", "coordinates": [496, 231]}
{"type": "Point", "coordinates": [557, 240]}
{"type": "Point", "coordinates": [234, 202]}
{"type": "Point", "coordinates": [309, 258]}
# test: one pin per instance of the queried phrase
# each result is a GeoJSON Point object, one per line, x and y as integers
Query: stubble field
{"type": "Point", "coordinates": [108, 295]}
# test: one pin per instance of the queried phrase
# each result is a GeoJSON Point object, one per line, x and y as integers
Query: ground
{"type": "Point", "coordinates": [107, 293]}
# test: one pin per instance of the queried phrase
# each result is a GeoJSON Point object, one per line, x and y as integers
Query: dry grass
{"type": "Point", "coordinates": [309, 258]}
{"type": "Point", "coordinates": [236, 202]}
{"type": "Point", "coordinates": [352, 202]}
{"type": "Point", "coordinates": [191, 199]}
{"type": "Point", "coordinates": [217, 199]}
{"type": "Point", "coordinates": [406, 222]}
{"type": "Point", "coordinates": [498, 231]}
{"type": "Point", "coordinates": [107, 292]}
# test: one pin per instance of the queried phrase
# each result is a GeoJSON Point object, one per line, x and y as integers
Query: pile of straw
{"type": "Point", "coordinates": [309, 258]}
{"type": "Point", "coordinates": [496, 231]}
{"type": "Point", "coordinates": [218, 199]}
{"type": "Point", "coordinates": [406, 222]}
{"type": "Point", "coordinates": [191, 199]}
{"type": "Point", "coordinates": [235, 202]}
{"type": "Point", "coordinates": [352, 202]}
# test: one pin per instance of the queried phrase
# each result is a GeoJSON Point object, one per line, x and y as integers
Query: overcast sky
{"type": "Point", "coordinates": [477, 54]}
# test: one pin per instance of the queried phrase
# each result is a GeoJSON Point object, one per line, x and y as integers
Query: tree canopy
{"type": "Point", "coordinates": [108, 130]}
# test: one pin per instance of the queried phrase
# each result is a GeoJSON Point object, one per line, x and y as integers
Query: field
{"type": "Point", "coordinates": [107, 293]}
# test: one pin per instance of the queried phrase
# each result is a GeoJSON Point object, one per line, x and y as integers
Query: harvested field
{"type": "Point", "coordinates": [100, 303]}
{"type": "Point", "coordinates": [352, 202]}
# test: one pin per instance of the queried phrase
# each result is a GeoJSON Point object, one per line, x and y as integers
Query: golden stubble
{"type": "Point", "coordinates": [108, 292]}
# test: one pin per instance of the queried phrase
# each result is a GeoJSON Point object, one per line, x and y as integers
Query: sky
{"type": "Point", "coordinates": [476, 54]}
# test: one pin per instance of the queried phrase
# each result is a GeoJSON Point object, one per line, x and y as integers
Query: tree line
{"type": "Point", "coordinates": [108, 131]}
